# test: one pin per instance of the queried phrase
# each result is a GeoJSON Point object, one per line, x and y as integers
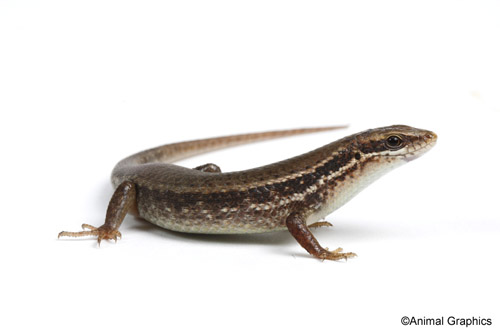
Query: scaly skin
{"type": "Point", "coordinates": [293, 194]}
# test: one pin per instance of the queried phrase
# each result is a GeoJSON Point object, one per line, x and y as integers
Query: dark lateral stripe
{"type": "Point", "coordinates": [258, 194]}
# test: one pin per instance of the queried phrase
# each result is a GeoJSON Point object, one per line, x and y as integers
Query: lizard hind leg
{"type": "Point", "coordinates": [122, 202]}
{"type": "Point", "coordinates": [299, 230]}
{"type": "Point", "coordinates": [209, 167]}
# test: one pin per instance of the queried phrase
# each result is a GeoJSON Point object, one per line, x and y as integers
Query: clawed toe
{"type": "Point", "coordinates": [91, 231]}
{"type": "Point", "coordinates": [103, 232]}
{"type": "Point", "coordinates": [336, 255]}
{"type": "Point", "coordinates": [320, 224]}
{"type": "Point", "coordinates": [108, 234]}
{"type": "Point", "coordinates": [88, 226]}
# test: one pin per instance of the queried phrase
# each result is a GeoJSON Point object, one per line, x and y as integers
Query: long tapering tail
{"type": "Point", "coordinates": [178, 151]}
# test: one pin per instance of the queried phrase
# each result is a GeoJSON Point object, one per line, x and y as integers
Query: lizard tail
{"type": "Point", "coordinates": [173, 152]}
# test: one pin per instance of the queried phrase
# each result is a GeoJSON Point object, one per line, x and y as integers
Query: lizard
{"type": "Point", "coordinates": [294, 194]}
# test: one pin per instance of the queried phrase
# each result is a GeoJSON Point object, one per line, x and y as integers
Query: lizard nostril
{"type": "Point", "coordinates": [430, 136]}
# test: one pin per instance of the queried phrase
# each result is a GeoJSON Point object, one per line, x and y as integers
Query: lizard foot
{"type": "Point", "coordinates": [336, 255]}
{"type": "Point", "coordinates": [209, 167]}
{"type": "Point", "coordinates": [103, 232]}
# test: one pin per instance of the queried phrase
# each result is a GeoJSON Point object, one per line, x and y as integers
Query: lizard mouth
{"type": "Point", "coordinates": [417, 149]}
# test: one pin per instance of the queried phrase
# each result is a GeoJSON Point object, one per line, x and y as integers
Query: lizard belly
{"type": "Point", "coordinates": [204, 217]}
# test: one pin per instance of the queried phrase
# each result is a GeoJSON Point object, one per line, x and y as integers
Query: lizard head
{"type": "Point", "coordinates": [394, 143]}
{"type": "Point", "coordinates": [366, 156]}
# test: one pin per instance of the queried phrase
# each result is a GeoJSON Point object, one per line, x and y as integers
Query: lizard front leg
{"type": "Point", "coordinates": [123, 201]}
{"type": "Point", "coordinates": [298, 228]}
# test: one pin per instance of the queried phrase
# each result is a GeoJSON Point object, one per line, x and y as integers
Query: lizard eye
{"type": "Point", "coordinates": [393, 142]}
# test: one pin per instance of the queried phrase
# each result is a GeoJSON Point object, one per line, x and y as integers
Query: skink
{"type": "Point", "coordinates": [294, 194]}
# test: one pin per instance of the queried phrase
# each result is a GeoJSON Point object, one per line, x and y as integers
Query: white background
{"type": "Point", "coordinates": [86, 83]}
